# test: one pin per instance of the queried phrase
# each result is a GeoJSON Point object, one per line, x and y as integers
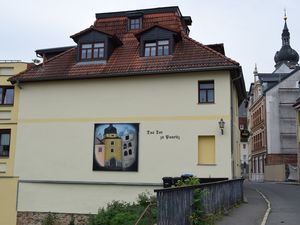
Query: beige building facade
{"type": "Point", "coordinates": [168, 137]}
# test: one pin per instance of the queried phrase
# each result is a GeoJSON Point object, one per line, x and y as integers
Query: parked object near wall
{"type": "Point", "coordinates": [172, 181]}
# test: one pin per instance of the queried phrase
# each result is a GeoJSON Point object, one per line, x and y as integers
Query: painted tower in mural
{"type": "Point", "coordinates": [129, 146]}
{"type": "Point", "coordinates": [113, 148]}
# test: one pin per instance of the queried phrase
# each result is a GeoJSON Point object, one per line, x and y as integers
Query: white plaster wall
{"type": "Point", "coordinates": [151, 95]}
{"type": "Point", "coordinates": [53, 151]}
{"type": "Point", "coordinates": [272, 121]}
{"type": "Point", "coordinates": [272, 110]}
{"type": "Point", "coordinates": [56, 124]}
{"type": "Point", "coordinates": [244, 151]}
{"type": "Point", "coordinates": [78, 198]}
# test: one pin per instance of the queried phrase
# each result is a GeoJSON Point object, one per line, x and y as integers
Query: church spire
{"type": "Point", "coordinates": [285, 36]}
{"type": "Point", "coordinates": [255, 72]}
{"type": "Point", "coordinates": [286, 54]}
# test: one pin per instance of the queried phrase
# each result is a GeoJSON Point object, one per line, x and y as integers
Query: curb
{"type": "Point", "coordinates": [264, 221]}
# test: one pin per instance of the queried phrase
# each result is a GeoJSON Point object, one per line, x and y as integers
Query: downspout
{"type": "Point", "coordinates": [231, 124]}
{"type": "Point", "coordinates": [231, 131]}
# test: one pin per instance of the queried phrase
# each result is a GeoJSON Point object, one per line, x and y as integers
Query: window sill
{"type": "Point", "coordinates": [155, 56]}
{"type": "Point", "coordinates": [6, 105]}
{"type": "Point", "coordinates": [204, 103]}
{"type": "Point", "coordinates": [203, 164]}
{"type": "Point", "coordinates": [91, 62]}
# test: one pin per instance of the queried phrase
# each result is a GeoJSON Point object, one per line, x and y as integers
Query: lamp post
{"type": "Point", "coordinates": [221, 125]}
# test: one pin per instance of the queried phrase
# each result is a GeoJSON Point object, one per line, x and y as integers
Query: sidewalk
{"type": "Point", "coordinates": [250, 213]}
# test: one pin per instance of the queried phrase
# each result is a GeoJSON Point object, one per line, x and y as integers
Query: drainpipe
{"type": "Point", "coordinates": [233, 162]}
{"type": "Point", "coordinates": [231, 131]}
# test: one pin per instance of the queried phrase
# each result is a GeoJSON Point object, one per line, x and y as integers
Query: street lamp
{"type": "Point", "coordinates": [221, 125]}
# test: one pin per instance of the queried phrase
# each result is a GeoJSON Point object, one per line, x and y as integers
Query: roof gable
{"type": "Point", "coordinates": [93, 33]}
{"type": "Point", "coordinates": [284, 77]}
{"type": "Point", "coordinates": [156, 32]}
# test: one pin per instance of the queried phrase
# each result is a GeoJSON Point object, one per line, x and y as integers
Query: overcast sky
{"type": "Point", "coordinates": [250, 29]}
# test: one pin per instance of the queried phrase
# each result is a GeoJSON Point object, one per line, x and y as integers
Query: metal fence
{"type": "Point", "coordinates": [174, 205]}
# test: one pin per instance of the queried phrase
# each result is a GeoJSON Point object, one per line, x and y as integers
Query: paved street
{"type": "Point", "coordinates": [285, 205]}
{"type": "Point", "coordinates": [285, 202]}
{"type": "Point", "coordinates": [250, 213]}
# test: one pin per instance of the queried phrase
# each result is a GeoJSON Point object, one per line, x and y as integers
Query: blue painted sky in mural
{"type": "Point", "coordinates": [121, 128]}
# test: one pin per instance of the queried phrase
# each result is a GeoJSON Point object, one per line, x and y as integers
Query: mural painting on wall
{"type": "Point", "coordinates": [116, 147]}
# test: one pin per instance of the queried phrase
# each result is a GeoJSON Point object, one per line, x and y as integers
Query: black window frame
{"type": "Point", "coordinates": [3, 94]}
{"type": "Point", "coordinates": [135, 23]}
{"type": "Point", "coordinates": [93, 49]}
{"type": "Point", "coordinates": [5, 131]}
{"type": "Point", "coordinates": [156, 46]}
{"type": "Point", "coordinates": [206, 91]}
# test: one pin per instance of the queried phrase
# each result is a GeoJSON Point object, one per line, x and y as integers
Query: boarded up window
{"type": "Point", "coordinates": [206, 150]}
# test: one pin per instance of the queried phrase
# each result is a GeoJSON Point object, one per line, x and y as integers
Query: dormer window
{"type": "Point", "coordinates": [157, 48]}
{"type": "Point", "coordinates": [135, 23]}
{"type": "Point", "coordinates": [95, 45]}
{"type": "Point", "coordinates": [92, 51]}
{"type": "Point", "coordinates": [157, 41]}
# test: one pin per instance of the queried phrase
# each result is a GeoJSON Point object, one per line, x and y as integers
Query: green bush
{"type": "Point", "coordinates": [124, 213]}
{"type": "Point", "coordinates": [198, 216]}
{"type": "Point", "coordinates": [72, 221]}
{"type": "Point", "coordinates": [50, 219]}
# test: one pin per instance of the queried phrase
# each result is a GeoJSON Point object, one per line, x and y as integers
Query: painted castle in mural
{"type": "Point", "coordinates": [116, 147]}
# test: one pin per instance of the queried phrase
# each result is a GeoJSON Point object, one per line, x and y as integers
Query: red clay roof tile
{"type": "Point", "coordinates": [188, 55]}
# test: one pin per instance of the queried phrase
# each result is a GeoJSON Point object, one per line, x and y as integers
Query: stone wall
{"type": "Point", "coordinates": [36, 218]}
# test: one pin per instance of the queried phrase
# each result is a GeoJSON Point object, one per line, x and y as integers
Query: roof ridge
{"type": "Point", "coordinates": [40, 65]}
{"type": "Point", "coordinates": [211, 50]}
{"type": "Point", "coordinates": [59, 55]}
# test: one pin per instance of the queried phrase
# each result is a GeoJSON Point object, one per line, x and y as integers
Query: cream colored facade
{"type": "Point", "coordinates": [56, 130]}
{"type": "Point", "coordinates": [236, 153]}
{"type": "Point", "coordinates": [8, 121]}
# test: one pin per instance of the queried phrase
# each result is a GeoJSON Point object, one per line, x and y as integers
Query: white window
{"type": "Point", "coordinates": [157, 48]}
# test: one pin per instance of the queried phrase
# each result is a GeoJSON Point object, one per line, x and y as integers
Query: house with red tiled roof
{"type": "Point", "coordinates": [135, 100]}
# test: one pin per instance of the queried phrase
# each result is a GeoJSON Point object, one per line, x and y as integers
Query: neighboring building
{"type": "Point", "coordinates": [257, 126]}
{"type": "Point", "coordinates": [9, 101]}
{"type": "Point", "coordinates": [136, 100]}
{"type": "Point", "coordinates": [244, 148]}
{"type": "Point", "coordinates": [272, 119]}
{"type": "Point", "coordinates": [297, 108]}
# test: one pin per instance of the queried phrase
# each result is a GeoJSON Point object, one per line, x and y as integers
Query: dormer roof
{"type": "Point", "coordinates": [175, 33]}
{"type": "Point", "coordinates": [188, 55]}
{"type": "Point", "coordinates": [77, 36]}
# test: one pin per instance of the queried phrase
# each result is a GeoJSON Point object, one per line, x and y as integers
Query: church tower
{"type": "Point", "coordinates": [286, 55]}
